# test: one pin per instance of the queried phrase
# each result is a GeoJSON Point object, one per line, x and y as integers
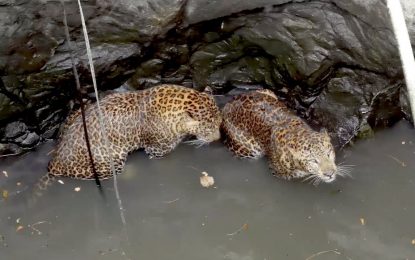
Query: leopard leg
{"type": "Point", "coordinates": [159, 143]}
{"type": "Point", "coordinates": [158, 150]}
{"type": "Point", "coordinates": [241, 144]}
{"type": "Point", "coordinates": [103, 164]}
{"type": "Point", "coordinates": [280, 164]}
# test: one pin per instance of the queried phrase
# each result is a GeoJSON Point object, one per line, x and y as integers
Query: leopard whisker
{"type": "Point", "coordinates": [344, 171]}
{"type": "Point", "coordinates": [197, 142]}
{"type": "Point", "coordinates": [345, 174]}
{"type": "Point", "coordinates": [313, 179]}
{"type": "Point", "coordinates": [345, 165]}
{"type": "Point", "coordinates": [200, 144]}
{"type": "Point", "coordinates": [317, 181]}
{"type": "Point", "coordinates": [308, 177]}
{"type": "Point", "coordinates": [192, 142]}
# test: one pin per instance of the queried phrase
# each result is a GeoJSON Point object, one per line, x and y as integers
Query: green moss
{"type": "Point", "coordinates": [365, 132]}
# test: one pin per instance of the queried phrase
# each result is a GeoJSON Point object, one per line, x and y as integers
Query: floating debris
{"type": "Point", "coordinates": [171, 201]}
{"type": "Point", "coordinates": [403, 164]}
{"type": "Point", "coordinates": [19, 228]}
{"type": "Point", "coordinates": [362, 221]}
{"type": "Point", "coordinates": [61, 181]}
{"type": "Point", "coordinates": [244, 227]}
{"type": "Point", "coordinates": [5, 174]}
{"type": "Point", "coordinates": [206, 180]}
{"type": "Point", "coordinates": [337, 191]}
{"type": "Point", "coordinates": [77, 189]}
{"type": "Point", "coordinates": [413, 242]}
{"type": "Point", "coordinates": [323, 252]}
{"type": "Point", "coordinates": [108, 251]}
{"type": "Point", "coordinates": [5, 194]}
{"type": "Point", "coordinates": [32, 226]}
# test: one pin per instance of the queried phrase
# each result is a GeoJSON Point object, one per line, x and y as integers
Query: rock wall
{"type": "Point", "coordinates": [37, 84]}
{"type": "Point", "coordinates": [334, 61]}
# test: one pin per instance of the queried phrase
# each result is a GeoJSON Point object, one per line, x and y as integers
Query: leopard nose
{"type": "Point", "coordinates": [329, 174]}
{"type": "Point", "coordinates": [329, 177]}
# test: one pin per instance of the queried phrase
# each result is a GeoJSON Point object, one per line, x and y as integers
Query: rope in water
{"type": "Point", "coordinates": [102, 120]}
{"type": "Point", "coordinates": [405, 49]}
{"type": "Point", "coordinates": [79, 92]}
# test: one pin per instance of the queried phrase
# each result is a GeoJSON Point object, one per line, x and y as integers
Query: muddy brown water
{"type": "Point", "coordinates": [247, 215]}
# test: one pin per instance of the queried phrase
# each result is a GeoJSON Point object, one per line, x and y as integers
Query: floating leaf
{"type": "Point", "coordinates": [77, 189]}
{"type": "Point", "coordinates": [5, 174]}
{"type": "Point", "coordinates": [362, 221]}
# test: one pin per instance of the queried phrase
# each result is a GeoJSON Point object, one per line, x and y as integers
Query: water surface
{"type": "Point", "coordinates": [247, 215]}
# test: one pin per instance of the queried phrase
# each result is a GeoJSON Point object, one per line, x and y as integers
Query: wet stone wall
{"type": "Point", "coordinates": [335, 62]}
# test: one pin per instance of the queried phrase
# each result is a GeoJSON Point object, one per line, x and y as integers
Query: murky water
{"type": "Point", "coordinates": [248, 215]}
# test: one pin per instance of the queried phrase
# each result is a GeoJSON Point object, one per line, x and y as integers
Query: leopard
{"type": "Point", "coordinates": [156, 119]}
{"type": "Point", "coordinates": [258, 124]}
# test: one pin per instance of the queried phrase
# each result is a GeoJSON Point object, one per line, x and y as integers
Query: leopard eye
{"type": "Point", "coordinates": [314, 161]}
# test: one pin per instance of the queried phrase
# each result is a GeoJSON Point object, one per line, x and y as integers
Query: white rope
{"type": "Point", "coordinates": [102, 121]}
{"type": "Point", "coordinates": [405, 49]}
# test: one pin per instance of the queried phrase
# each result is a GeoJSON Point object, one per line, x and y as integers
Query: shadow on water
{"type": "Point", "coordinates": [248, 215]}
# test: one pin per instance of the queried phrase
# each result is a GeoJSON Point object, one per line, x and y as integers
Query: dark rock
{"type": "Point", "coordinates": [15, 129]}
{"type": "Point", "coordinates": [21, 138]}
{"type": "Point", "coordinates": [405, 105]}
{"type": "Point", "coordinates": [36, 79]}
{"type": "Point", "coordinates": [50, 133]}
{"type": "Point", "coordinates": [31, 140]}
{"type": "Point", "coordinates": [409, 9]}
{"type": "Point", "coordinates": [334, 62]}
{"type": "Point", "coordinates": [310, 42]}
{"type": "Point", "coordinates": [10, 149]}
{"type": "Point", "coordinates": [355, 102]}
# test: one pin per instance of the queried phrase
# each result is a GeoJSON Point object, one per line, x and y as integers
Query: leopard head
{"type": "Point", "coordinates": [317, 158]}
{"type": "Point", "coordinates": [307, 154]}
{"type": "Point", "coordinates": [203, 118]}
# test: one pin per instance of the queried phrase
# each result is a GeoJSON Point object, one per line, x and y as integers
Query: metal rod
{"type": "Point", "coordinates": [405, 49]}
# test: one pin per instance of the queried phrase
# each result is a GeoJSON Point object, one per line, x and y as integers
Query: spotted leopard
{"type": "Point", "coordinates": [257, 124]}
{"type": "Point", "coordinates": [155, 119]}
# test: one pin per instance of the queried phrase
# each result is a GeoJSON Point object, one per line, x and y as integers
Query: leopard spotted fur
{"type": "Point", "coordinates": [156, 119]}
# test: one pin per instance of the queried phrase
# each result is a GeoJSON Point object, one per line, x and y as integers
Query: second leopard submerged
{"type": "Point", "coordinates": [257, 124]}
